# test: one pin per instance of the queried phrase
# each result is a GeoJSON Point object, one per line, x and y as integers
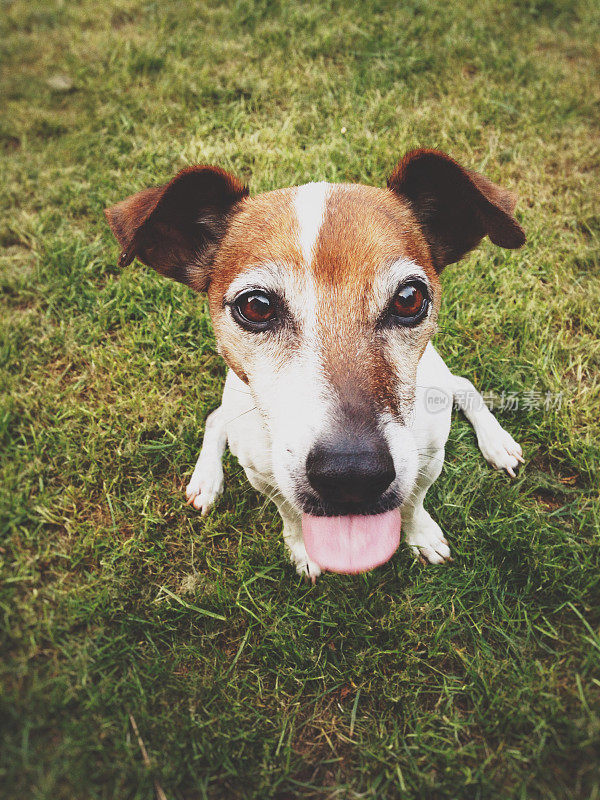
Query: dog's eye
{"type": "Point", "coordinates": [410, 303]}
{"type": "Point", "coordinates": [254, 310]}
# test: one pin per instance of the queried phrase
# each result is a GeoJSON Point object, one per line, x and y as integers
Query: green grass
{"type": "Point", "coordinates": [476, 680]}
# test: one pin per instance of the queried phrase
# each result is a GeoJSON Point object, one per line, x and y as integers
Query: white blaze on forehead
{"type": "Point", "coordinates": [310, 203]}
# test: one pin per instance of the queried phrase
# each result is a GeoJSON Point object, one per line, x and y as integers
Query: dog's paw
{"type": "Point", "coordinates": [204, 488]}
{"type": "Point", "coordinates": [304, 566]}
{"type": "Point", "coordinates": [427, 541]}
{"type": "Point", "coordinates": [500, 449]}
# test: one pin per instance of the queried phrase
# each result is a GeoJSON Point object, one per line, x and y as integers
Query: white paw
{"type": "Point", "coordinates": [204, 488]}
{"type": "Point", "coordinates": [500, 449]}
{"type": "Point", "coordinates": [427, 541]}
{"type": "Point", "coordinates": [299, 558]}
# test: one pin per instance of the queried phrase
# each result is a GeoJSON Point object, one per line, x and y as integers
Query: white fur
{"type": "Point", "coordinates": [261, 276]}
{"type": "Point", "coordinates": [272, 423]}
{"type": "Point", "coordinates": [387, 281]}
{"type": "Point", "coordinates": [239, 421]}
{"type": "Point", "coordinates": [206, 483]}
{"type": "Point", "coordinates": [310, 202]}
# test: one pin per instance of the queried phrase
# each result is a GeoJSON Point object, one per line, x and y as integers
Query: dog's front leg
{"type": "Point", "coordinates": [424, 536]}
{"type": "Point", "coordinates": [292, 526]}
{"type": "Point", "coordinates": [206, 483]}
{"type": "Point", "coordinates": [294, 542]}
{"type": "Point", "coordinates": [496, 444]}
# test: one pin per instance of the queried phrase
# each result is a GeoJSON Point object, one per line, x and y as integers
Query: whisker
{"type": "Point", "coordinates": [229, 421]}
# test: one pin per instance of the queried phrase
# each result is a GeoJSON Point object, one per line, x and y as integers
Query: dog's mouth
{"type": "Point", "coordinates": [352, 543]}
{"type": "Point", "coordinates": [321, 507]}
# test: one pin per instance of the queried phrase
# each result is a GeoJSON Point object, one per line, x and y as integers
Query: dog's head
{"type": "Point", "coordinates": [323, 298]}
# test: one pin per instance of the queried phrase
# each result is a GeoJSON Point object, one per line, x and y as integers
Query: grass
{"type": "Point", "coordinates": [477, 680]}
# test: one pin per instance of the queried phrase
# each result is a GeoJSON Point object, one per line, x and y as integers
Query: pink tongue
{"type": "Point", "coordinates": [353, 543]}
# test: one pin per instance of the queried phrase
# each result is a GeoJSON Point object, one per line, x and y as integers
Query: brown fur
{"type": "Point", "coordinates": [264, 229]}
{"type": "Point", "coordinates": [364, 230]}
{"type": "Point", "coordinates": [201, 228]}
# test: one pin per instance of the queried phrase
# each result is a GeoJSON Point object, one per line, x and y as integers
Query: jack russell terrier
{"type": "Point", "coordinates": [324, 298]}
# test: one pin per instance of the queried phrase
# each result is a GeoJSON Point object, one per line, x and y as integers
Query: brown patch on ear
{"type": "Point", "coordinates": [176, 228]}
{"type": "Point", "coordinates": [455, 207]}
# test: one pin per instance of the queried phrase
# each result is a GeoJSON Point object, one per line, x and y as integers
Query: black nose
{"type": "Point", "coordinates": [350, 472]}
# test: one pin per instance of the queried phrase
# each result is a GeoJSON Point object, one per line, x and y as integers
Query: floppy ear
{"type": "Point", "coordinates": [176, 228]}
{"type": "Point", "coordinates": [455, 207]}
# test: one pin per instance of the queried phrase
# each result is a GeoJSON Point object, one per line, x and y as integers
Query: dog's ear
{"type": "Point", "coordinates": [176, 228]}
{"type": "Point", "coordinates": [455, 207]}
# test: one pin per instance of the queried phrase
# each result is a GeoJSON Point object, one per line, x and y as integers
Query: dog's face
{"type": "Point", "coordinates": [323, 298]}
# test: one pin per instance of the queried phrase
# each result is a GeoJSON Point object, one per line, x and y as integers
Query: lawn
{"type": "Point", "coordinates": [121, 609]}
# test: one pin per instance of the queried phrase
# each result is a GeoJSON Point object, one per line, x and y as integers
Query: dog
{"type": "Point", "coordinates": [324, 298]}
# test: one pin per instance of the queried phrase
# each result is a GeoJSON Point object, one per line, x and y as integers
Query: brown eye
{"type": "Point", "coordinates": [254, 310]}
{"type": "Point", "coordinates": [410, 303]}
